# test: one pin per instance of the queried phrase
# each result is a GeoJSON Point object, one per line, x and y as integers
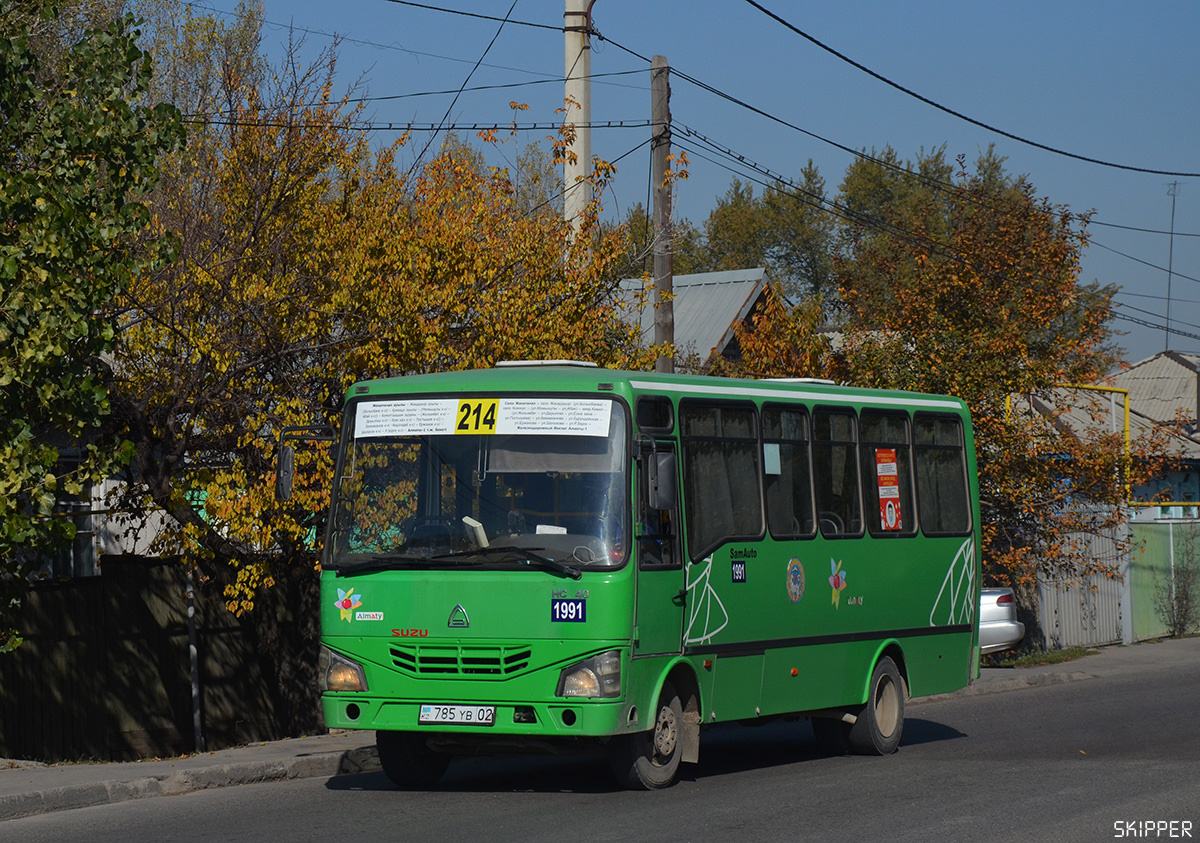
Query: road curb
{"type": "Point", "coordinates": [1013, 683]}
{"type": "Point", "coordinates": [315, 765]}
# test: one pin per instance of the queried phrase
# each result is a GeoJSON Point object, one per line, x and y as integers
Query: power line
{"type": "Point", "coordinates": [1156, 315]}
{"type": "Point", "coordinates": [1159, 327]}
{"type": "Point", "coordinates": [385, 126]}
{"type": "Point", "coordinates": [489, 87]}
{"type": "Point", "coordinates": [958, 114]}
{"type": "Point", "coordinates": [454, 101]}
{"type": "Point", "coordinates": [477, 15]}
{"type": "Point", "coordinates": [1144, 263]}
{"type": "Point", "coordinates": [1142, 230]}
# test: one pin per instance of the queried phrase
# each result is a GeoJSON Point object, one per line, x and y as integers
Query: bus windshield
{"type": "Point", "coordinates": [491, 484]}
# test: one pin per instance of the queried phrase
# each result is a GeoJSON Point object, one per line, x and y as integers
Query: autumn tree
{"type": "Point", "coordinates": [79, 148]}
{"type": "Point", "coordinates": [308, 262]}
{"type": "Point", "coordinates": [967, 283]}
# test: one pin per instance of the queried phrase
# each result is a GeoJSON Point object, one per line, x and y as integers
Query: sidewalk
{"type": "Point", "coordinates": [28, 787]}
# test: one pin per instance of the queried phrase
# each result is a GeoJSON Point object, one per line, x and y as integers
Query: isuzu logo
{"type": "Point", "coordinates": [458, 618]}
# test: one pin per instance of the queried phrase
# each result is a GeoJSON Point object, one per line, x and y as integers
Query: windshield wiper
{"type": "Point", "coordinates": [528, 553]}
{"type": "Point", "coordinates": [383, 562]}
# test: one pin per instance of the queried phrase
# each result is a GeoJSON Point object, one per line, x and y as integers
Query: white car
{"type": "Point", "coordinates": [999, 628]}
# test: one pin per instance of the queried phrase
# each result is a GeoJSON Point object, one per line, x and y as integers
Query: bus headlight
{"type": "Point", "coordinates": [338, 673]}
{"type": "Point", "coordinates": [599, 676]}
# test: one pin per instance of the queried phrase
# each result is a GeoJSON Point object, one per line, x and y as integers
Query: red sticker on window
{"type": "Point", "coordinates": [888, 476]}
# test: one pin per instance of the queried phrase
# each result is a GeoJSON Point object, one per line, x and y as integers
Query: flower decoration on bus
{"type": "Point", "coordinates": [347, 602]}
{"type": "Point", "coordinates": [795, 580]}
{"type": "Point", "coordinates": [837, 579]}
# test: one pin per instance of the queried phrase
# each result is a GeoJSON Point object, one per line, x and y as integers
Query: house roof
{"type": "Point", "coordinates": [707, 305]}
{"type": "Point", "coordinates": [1163, 385]}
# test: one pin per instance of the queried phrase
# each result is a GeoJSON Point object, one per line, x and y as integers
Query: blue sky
{"type": "Point", "coordinates": [1112, 81]}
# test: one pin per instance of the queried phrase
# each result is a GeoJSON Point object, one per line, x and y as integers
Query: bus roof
{"type": "Point", "coordinates": [570, 376]}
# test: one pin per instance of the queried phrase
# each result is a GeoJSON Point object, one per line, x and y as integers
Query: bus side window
{"type": "Point", "coordinates": [887, 474]}
{"type": "Point", "coordinates": [722, 479]}
{"type": "Point", "coordinates": [835, 472]}
{"type": "Point", "coordinates": [939, 455]}
{"type": "Point", "coordinates": [657, 540]}
{"type": "Point", "coordinates": [787, 472]}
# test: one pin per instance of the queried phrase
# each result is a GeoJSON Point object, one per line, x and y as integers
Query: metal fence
{"type": "Point", "coordinates": [1102, 610]}
{"type": "Point", "coordinates": [104, 673]}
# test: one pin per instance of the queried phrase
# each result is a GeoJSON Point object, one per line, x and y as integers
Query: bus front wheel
{"type": "Point", "coordinates": [650, 760]}
{"type": "Point", "coordinates": [408, 761]}
{"type": "Point", "coordinates": [881, 721]}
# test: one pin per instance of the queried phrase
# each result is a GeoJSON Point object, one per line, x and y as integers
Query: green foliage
{"type": "Point", "coordinates": [1177, 593]}
{"type": "Point", "coordinates": [77, 150]}
{"type": "Point", "coordinates": [1037, 657]}
{"type": "Point", "coordinates": [787, 230]}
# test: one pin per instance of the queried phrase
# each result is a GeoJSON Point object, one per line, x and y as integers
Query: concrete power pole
{"type": "Point", "coordinates": [577, 23]}
{"type": "Point", "coordinates": [660, 151]}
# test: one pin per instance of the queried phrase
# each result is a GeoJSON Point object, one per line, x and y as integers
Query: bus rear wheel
{"type": "Point", "coordinates": [408, 761]}
{"type": "Point", "coordinates": [650, 760]}
{"type": "Point", "coordinates": [881, 721]}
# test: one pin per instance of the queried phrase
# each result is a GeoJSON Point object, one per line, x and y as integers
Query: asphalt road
{"type": "Point", "coordinates": [1076, 761]}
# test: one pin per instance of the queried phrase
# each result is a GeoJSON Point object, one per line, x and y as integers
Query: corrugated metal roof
{"type": "Point", "coordinates": [1082, 411]}
{"type": "Point", "coordinates": [1163, 385]}
{"type": "Point", "coordinates": [707, 306]}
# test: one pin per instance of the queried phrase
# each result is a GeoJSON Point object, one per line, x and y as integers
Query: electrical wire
{"type": "Point", "coordinates": [1142, 230]}
{"type": "Point", "coordinates": [388, 126]}
{"type": "Point", "coordinates": [1144, 263]}
{"type": "Point", "coordinates": [958, 114]}
{"type": "Point", "coordinates": [477, 15]}
{"type": "Point", "coordinates": [454, 101]}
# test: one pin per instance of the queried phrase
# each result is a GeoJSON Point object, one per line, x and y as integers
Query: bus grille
{"type": "Point", "coordinates": [429, 660]}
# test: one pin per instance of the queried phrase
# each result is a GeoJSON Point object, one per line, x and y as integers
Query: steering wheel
{"type": "Point", "coordinates": [431, 530]}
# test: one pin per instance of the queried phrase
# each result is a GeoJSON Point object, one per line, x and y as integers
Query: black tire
{"type": "Point", "coordinates": [408, 761]}
{"type": "Point", "coordinates": [833, 736]}
{"type": "Point", "coordinates": [881, 721]}
{"type": "Point", "coordinates": [650, 760]}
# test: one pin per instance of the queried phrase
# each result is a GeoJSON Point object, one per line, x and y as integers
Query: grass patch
{"type": "Point", "coordinates": [1035, 658]}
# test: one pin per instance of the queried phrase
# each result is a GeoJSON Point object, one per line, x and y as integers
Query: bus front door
{"type": "Point", "coordinates": [661, 588]}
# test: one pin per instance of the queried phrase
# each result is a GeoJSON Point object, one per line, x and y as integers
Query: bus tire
{"type": "Point", "coordinates": [881, 721]}
{"type": "Point", "coordinates": [408, 761]}
{"type": "Point", "coordinates": [650, 760]}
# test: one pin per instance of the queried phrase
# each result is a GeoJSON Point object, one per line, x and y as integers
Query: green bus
{"type": "Point", "coordinates": [554, 557]}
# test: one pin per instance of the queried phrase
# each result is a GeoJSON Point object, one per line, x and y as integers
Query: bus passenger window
{"type": "Point", "coordinates": [940, 459]}
{"type": "Point", "coordinates": [787, 473]}
{"type": "Point", "coordinates": [835, 472]}
{"type": "Point", "coordinates": [887, 474]}
{"type": "Point", "coordinates": [721, 476]}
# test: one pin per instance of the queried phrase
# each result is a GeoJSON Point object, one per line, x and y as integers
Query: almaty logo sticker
{"type": "Point", "coordinates": [837, 579]}
{"type": "Point", "coordinates": [347, 602]}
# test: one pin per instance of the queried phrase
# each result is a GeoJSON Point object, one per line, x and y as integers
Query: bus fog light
{"type": "Point", "coordinates": [599, 676]}
{"type": "Point", "coordinates": [338, 673]}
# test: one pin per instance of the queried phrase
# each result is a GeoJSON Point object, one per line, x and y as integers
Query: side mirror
{"type": "Point", "coordinates": [285, 472]}
{"type": "Point", "coordinates": [662, 489]}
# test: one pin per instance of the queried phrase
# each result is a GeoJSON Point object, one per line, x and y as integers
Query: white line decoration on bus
{"type": "Point", "coordinates": [960, 601]}
{"type": "Point", "coordinates": [704, 605]}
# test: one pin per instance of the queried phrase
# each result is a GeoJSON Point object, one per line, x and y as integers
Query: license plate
{"type": "Point", "coordinates": [462, 715]}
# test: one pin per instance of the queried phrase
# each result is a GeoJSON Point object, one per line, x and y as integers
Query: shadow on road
{"type": "Point", "coordinates": [725, 749]}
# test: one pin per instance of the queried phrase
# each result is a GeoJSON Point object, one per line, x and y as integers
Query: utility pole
{"type": "Point", "coordinates": [1170, 260]}
{"type": "Point", "coordinates": [660, 152]}
{"type": "Point", "coordinates": [577, 191]}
